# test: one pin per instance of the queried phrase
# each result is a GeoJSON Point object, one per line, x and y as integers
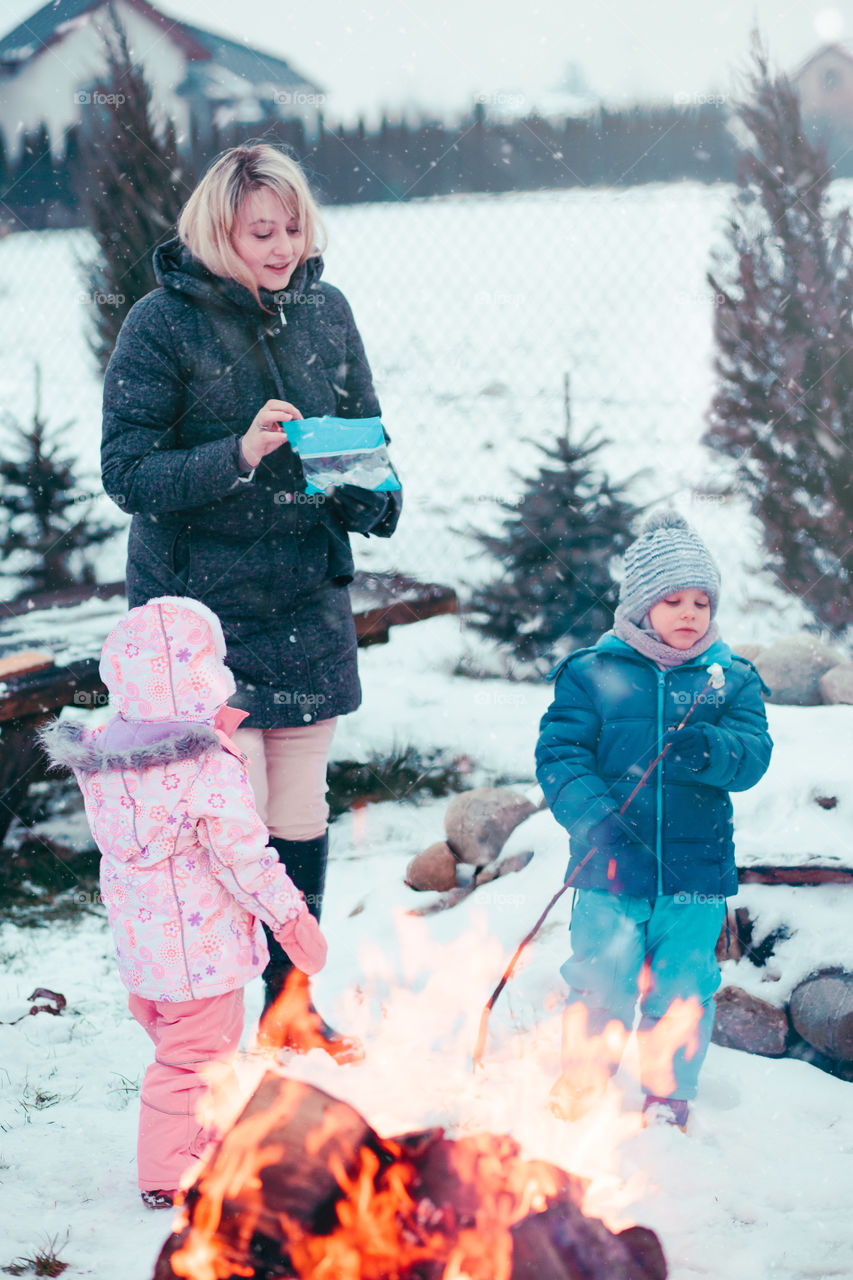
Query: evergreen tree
{"type": "Point", "coordinates": [46, 527]}
{"type": "Point", "coordinates": [783, 407]}
{"type": "Point", "coordinates": [134, 186]}
{"type": "Point", "coordinates": [555, 592]}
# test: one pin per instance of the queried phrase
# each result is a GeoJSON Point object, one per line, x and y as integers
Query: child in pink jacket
{"type": "Point", "coordinates": [186, 874]}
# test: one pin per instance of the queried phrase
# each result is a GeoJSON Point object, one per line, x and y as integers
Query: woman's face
{"type": "Point", "coordinates": [267, 237]}
{"type": "Point", "coordinates": [682, 617]}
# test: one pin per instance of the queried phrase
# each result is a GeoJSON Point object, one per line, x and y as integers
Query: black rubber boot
{"type": "Point", "coordinates": [305, 862]}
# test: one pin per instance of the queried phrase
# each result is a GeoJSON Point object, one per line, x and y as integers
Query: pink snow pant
{"type": "Point", "coordinates": [287, 773]}
{"type": "Point", "coordinates": [187, 1035]}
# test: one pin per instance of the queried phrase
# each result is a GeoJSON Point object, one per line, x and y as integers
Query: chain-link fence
{"type": "Point", "coordinates": [476, 312]}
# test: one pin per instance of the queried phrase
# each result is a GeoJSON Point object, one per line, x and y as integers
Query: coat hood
{"type": "Point", "coordinates": [178, 270]}
{"type": "Point", "coordinates": [165, 661]}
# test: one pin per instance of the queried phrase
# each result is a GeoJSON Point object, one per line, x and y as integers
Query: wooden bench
{"type": "Point", "coordinates": [50, 647]}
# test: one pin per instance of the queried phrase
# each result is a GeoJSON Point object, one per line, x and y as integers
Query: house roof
{"type": "Point", "coordinates": [245, 61]}
{"type": "Point", "coordinates": [842, 51]}
{"type": "Point", "coordinates": [53, 20]}
{"type": "Point", "coordinates": [49, 24]}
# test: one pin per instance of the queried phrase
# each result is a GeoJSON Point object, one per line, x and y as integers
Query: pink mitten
{"type": "Point", "coordinates": [304, 943]}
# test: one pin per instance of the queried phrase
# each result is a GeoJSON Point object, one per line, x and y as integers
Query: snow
{"type": "Point", "coordinates": [68, 1166]}
{"type": "Point", "coordinates": [469, 357]}
{"type": "Point", "coordinates": [473, 310]}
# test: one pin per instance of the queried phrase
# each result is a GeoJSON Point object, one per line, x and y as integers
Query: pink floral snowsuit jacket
{"type": "Point", "coordinates": [186, 874]}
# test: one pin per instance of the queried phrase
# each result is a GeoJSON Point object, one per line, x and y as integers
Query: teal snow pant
{"type": "Point", "coordinates": [613, 935]}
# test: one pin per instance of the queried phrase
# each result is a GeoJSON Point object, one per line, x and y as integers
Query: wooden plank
{"type": "Point", "coordinates": [24, 663]}
{"type": "Point", "coordinates": [60, 599]}
{"type": "Point", "coordinates": [795, 875]}
{"type": "Point", "coordinates": [380, 601]}
{"type": "Point", "coordinates": [77, 684]}
{"type": "Point", "coordinates": [35, 687]}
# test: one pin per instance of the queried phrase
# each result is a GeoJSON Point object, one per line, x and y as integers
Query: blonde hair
{"type": "Point", "coordinates": [207, 220]}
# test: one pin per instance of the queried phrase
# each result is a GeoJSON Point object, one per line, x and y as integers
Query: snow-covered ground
{"type": "Point", "coordinates": [472, 311]}
{"type": "Point", "coordinates": [754, 1181]}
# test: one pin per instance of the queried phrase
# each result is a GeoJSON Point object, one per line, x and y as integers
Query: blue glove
{"type": "Point", "coordinates": [360, 509]}
{"type": "Point", "coordinates": [613, 832]}
{"type": "Point", "coordinates": [689, 748]}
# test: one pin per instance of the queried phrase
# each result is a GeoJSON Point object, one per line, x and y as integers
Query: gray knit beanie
{"type": "Point", "coordinates": [668, 556]}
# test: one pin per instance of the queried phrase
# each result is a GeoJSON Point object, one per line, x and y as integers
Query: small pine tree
{"type": "Point", "coordinates": [133, 186]}
{"type": "Point", "coordinates": [784, 401]}
{"type": "Point", "coordinates": [556, 592]}
{"type": "Point", "coordinates": [46, 528]}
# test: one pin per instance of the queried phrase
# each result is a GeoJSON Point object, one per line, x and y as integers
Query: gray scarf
{"type": "Point", "coordinates": [649, 644]}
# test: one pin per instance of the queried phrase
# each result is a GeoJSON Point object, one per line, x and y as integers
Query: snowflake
{"type": "Point", "coordinates": [199, 707]}
{"type": "Point", "coordinates": [195, 918]}
{"type": "Point", "coordinates": [196, 977]}
{"type": "Point", "coordinates": [211, 969]}
{"type": "Point", "coordinates": [183, 655]}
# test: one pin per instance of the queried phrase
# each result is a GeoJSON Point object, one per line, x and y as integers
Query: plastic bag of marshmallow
{"type": "Point", "coordinates": [335, 451]}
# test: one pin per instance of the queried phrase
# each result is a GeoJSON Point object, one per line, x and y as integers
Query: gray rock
{"type": "Point", "coordinates": [749, 651]}
{"type": "Point", "coordinates": [836, 684]}
{"type": "Point", "coordinates": [792, 669]}
{"type": "Point", "coordinates": [744, 1022]}
{"type": "Point", "coordinates": [479, 822]}
{"type": "Point", "coordinates": [822, 1012]}
{"type": "Point", "coordinates": [434, 868]}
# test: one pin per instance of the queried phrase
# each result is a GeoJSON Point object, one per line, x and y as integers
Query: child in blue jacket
{"type": "Point", "coordinates": [652, 883]}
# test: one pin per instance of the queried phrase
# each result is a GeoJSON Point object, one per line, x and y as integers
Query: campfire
{"type": "Point", "coordinates": [301, 1185]}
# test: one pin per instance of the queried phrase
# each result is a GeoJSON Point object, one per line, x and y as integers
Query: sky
{"type": "Point", "coordinates": [404, 54]}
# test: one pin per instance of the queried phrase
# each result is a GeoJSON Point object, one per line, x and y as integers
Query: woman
{"type": "Point", "coordinates": [241, 336]}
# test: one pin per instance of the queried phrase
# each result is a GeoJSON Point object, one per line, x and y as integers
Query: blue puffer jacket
{"type": "Point", "coordinates": [611, 709]}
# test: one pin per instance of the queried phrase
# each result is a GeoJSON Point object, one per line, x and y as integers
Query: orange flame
{"type": "Point", "coordinates": [384, 1221]}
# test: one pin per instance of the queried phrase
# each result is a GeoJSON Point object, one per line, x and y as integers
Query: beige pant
{"type": "Point", "coordinates": [287, 771]}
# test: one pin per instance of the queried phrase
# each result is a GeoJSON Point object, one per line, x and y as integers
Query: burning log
{"type": "Point", "coordinates": [301, 1186]}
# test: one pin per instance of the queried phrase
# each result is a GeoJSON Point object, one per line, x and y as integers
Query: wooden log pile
{"type": "Point", "coordinates": [301, 1186]}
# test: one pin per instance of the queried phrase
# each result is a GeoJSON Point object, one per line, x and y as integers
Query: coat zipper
{"type": "Point", "coordinates": [659, 784]}
{"type": "Point", "coordinates": [281, 314]}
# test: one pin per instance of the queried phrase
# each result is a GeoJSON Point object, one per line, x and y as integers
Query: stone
{"type": "Point", "coordinates": [751, 652]}
{"type": "Point", "coordinates": [478, 823]}
{"type": "Point", "coordinates": [434, 868]}
{"type": "Point", "coordinates": [822, 1012]}
{"type": "Point", "coordinates": [729, 945]}
{"type": "Point", "coordinates": [836, 684]}
{"type": "Point", "coordinates": [745, 1022]}
{"type": "Point", "coordinates": [792, 669]}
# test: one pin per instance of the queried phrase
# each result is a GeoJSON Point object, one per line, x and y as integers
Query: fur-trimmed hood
{"type": "Point", "coordinates": [72, 746]}
{"type": "Point", "coordinates": [163, 664]}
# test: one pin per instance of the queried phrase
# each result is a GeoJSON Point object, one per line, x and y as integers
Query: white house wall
{"type": "Point", "coordinates": [49, 86]}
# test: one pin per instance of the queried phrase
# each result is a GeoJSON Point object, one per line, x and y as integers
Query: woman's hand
{"type": "Point", "coordinates": [266, 434]}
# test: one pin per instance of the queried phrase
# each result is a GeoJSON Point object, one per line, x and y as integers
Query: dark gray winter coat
{"type": "Point", "coordinates": [195, 360]}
